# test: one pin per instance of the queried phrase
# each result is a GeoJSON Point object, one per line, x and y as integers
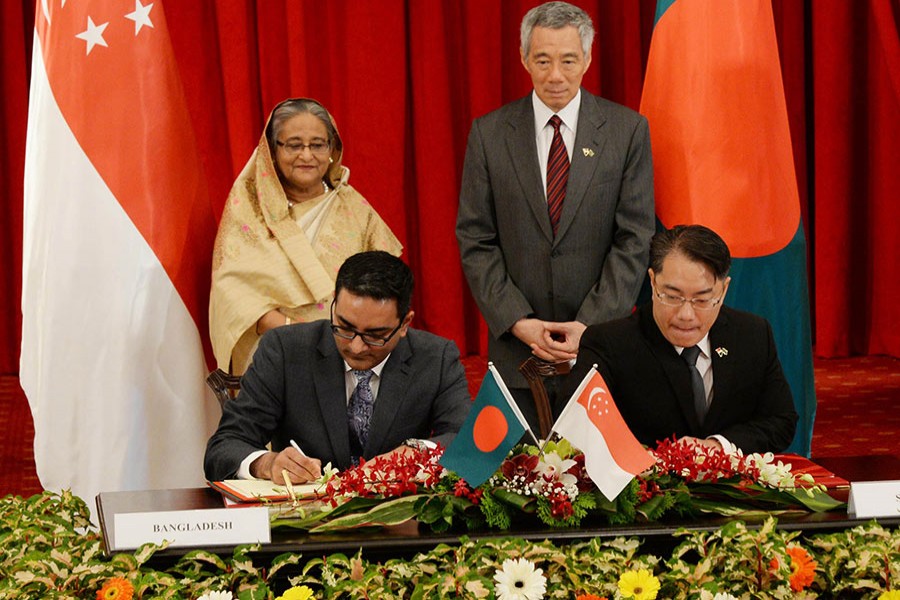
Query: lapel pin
{"type": "Point", "coordinates": [587, 151]}
{"type": "Point", "coordinates": [722, 351]}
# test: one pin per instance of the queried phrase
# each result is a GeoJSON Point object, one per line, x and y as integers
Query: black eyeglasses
{"type": "Point", "coordinates": [295, 148]}
{"type": "Point", "coordinates": [369, 339]}
{"type": "Point", "coordinates": [679, 301]}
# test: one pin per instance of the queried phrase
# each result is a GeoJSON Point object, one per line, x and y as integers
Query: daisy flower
{"type": "Point", "coordinates": [724, 596]}
{"type": "Point", "coordinates": [640, 585]}
{"type": "Point", "coordinates": [803, 568]}
{"type": "Point", "coordinates": [116, 588]}
{"type": "Point", "coordinates": [296, 593]}
{"type": "Point", "coordinates": [217, 596]}
{"type": "Point", "coordinates": [519, 580]}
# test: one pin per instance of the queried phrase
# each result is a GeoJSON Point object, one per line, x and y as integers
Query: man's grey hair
{"type": "Point", "coordinates": [556, 15]}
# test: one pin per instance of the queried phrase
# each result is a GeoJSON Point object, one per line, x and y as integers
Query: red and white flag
{"type": "Point", "coordinates": [118, 239]}
{"type": "Point", "coordinates": [592, 423]}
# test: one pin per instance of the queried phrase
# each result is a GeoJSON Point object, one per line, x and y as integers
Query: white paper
{"type": "Point", "coordinates": [869, 499]}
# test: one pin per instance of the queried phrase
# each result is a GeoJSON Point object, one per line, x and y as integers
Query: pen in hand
{"type": "Point", "coordinates": [303, 454]}
{"type": "Point", "coordinates": [297, 448]}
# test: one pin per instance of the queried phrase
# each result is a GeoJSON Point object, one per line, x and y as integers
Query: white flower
{"type": "Point", "coordinates": [773, 475]}
{"type": "Point", "coordinates": [519, 580]}
{"type": "Point", "coordinates": [328, 471]}
{"type": "Point", "coordinates": [216, 596]}
{"type": "Point", "coordinates": [722, 596]}
{"type": "Point", "coordinates": [554, 468]}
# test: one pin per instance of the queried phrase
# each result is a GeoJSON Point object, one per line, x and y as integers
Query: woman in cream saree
{"type": "Point", "coordinates": [290, 221]}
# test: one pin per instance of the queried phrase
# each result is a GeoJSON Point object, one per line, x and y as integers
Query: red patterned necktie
{"type": "Point", "coordinates": [557, 174]}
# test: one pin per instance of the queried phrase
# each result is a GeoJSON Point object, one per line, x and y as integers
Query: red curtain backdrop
{"type": "Point", "coordinates": [405, 78]}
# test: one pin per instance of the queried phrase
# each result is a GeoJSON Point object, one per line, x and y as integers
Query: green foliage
{"type": "Point", "coordinates": [48, 549]}
{"type": "Point", "coordinates": [865, 558]}
{"type": "Point", "coordinates": [733, 560]}
{"type": "Point", "coordinates": [496, 514]}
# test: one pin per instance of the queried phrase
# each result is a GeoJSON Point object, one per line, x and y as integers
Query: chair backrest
{"type": "Point", "coordinates": [223, 385]}
{"type": "Point", "coordinates": [535, 370]}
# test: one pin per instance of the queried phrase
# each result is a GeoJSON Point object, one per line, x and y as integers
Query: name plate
{"type": "Point", "coordinates": [207, 527]}
{"type": "Point", "coordinates": [869, 499]}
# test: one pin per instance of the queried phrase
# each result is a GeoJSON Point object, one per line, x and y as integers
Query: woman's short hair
{"type": "Point", "coordinates": [696, 242]}
{"type": "Point", "coordinates": [556, 15]}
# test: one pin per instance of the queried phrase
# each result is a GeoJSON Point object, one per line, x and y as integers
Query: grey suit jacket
{"type": "Point", "coordinates": [295, 389]}
{"type": "Point", "coordinates": [752, 406]}
{"type": "Point", "coordinates": [593, 269]}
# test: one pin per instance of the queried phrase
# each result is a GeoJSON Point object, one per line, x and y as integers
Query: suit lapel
{"type": "Point", "coordinates": [522, 149]}
{"type": "Point", "coordinates": [391, 396]}
{"type": "Point", "coordinates": [331, 394]}
{"type": "Point", "coordinates": [673, 366]}
{"type": "Point", "coordinates": [722, 367]}
{"type": "Point", "coordinates": [586, 158]}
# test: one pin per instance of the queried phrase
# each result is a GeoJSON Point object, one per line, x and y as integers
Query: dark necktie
{"type": "Point", "coordinates": [690, 357]}
{"type": "Point", "coordinates": [557, 174]}
{"type": "Point", "coordinates": [359, 411]}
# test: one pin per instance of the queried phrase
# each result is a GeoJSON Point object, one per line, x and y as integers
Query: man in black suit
{"type": "Point", "coordinates": [735, 394]}
{"type": "Point", "coordinates": [556, 204]}
{"type": "Point", "coordinates": [361, 385]}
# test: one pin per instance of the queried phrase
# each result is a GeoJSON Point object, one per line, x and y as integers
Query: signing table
{"type": "Point", "coordinates": [409, 538]}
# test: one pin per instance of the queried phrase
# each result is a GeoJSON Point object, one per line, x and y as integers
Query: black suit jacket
{"type": "Point", "coordinates": [752, 406]}
{"type": "Point", "coordinates": [295, 389]}
{"type": "Point", "coordinates": [592, 270]}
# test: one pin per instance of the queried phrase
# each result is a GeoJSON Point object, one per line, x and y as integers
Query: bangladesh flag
{"type": "Point", "coordinates": [493, 427]}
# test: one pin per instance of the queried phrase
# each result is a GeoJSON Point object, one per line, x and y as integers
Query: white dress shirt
{"type": "Point", "coordinates": [704, 366]}
{"type": "Point", "coordinates": [544, 131]}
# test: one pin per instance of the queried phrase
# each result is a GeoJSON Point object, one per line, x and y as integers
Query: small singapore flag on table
{"type": "Point", "coordinates": [592, 423]}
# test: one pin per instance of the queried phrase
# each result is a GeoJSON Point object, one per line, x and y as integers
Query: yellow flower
{"type": "Point", "coordinates": [116, 588]}
{"type": "Point", "coordinates": [296, 593]}
{"type": "Point", "coordinates": [640, 585]}
{"type": "Point", "coordinates": [892, 595]}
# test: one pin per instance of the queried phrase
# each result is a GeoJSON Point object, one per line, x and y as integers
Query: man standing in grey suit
{"type": "Point", "coordinates": [361, 385]}
{"type": "Point", "coordinates": [556, 205]}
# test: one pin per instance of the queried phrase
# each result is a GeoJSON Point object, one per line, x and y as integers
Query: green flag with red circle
{"type": "Point", "coordinates": [493, 427]}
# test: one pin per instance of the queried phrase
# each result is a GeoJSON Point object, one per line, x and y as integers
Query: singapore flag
{"type": "Point", "coordinates": [592, 423]}
{"type": "Point", "coordinates": [117, 243]}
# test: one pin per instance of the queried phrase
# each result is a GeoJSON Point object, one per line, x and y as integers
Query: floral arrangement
{"type": "Point", "coordinates": [48, 549]}
{"type": "Point", "coordinates": [688, 480]}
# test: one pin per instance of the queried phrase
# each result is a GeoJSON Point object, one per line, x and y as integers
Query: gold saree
{"type": "Point", "coordinates": [271, 256]}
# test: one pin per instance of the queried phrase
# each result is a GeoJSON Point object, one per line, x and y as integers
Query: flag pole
{"type": "Point", "coordinates": [512, 403]}
{"type": "Point", "coordinates": [574, 397]}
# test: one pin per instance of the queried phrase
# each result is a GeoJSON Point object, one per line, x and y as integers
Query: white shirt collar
{"type": "Point", "coordinates": [703, 344]}
{"type": "Point", "coordinates": [568, 114]}
{"type": "Point", "coordinates": [377, 369]}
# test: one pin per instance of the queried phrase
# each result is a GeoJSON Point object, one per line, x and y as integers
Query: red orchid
{"type": "Point", "coordinates": [521, 465]}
